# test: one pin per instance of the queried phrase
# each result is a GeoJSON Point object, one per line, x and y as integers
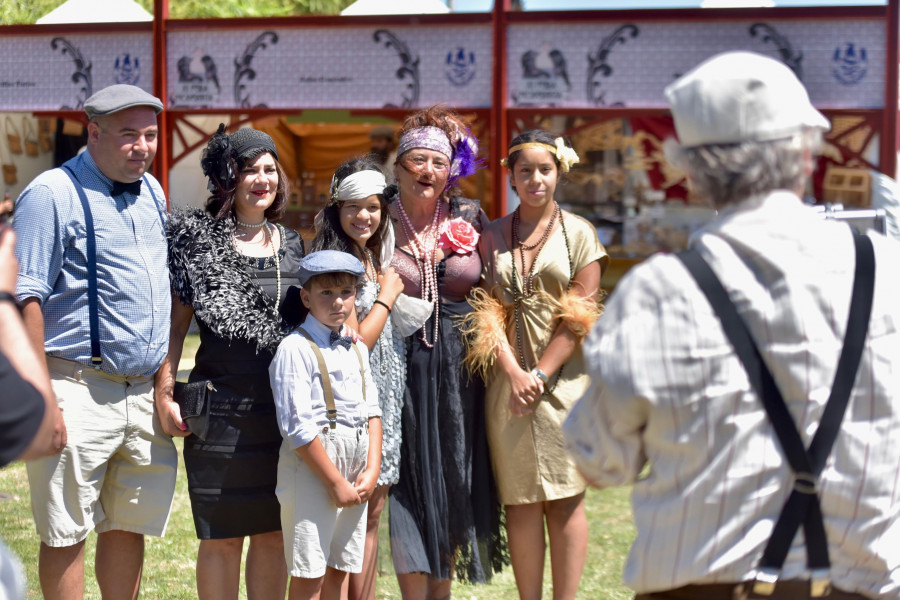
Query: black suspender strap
{"type": "Point", "coordinates": [93, 303]}
{"type": "Point", "coordinates": [803, 504]}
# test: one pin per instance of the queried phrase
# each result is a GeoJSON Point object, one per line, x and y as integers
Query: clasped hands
{"type": "Point", "coordinates": [525, 389]}
{"type": "Point", "coordinates": [346, 494]}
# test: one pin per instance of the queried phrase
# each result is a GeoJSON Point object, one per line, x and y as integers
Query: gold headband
{"type": "Point", "coordinates": [565, 155]}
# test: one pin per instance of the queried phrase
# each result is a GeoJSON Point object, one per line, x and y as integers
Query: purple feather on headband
{"type": "Point", "coordinates": [465, 158]}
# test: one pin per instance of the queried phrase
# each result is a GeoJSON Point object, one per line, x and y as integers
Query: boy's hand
{"type": "Point", "coordinates": [365, 484]}
{"type": "Point", "coordinates": [344, 494]}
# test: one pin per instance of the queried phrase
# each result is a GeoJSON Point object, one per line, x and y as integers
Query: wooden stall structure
{"type": "Point", "coordinates": [319, 83]}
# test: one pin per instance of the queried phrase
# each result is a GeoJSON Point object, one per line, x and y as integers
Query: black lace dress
{"type": "Point", "coordinates": [444, 514]}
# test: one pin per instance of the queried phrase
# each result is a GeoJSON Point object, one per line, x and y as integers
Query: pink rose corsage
{"type": "Point", "coordinates": [459, 236]}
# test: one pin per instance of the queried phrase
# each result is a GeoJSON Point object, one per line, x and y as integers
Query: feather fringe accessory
{"type": "Point", "coordinates": [465, 158]}
{"type": "Point", "coordinates": [484, 330]}
{"type": "Point", "coordinates": [579, 313]}
{"type": "Point", "coordinates": [208, 274]}
{"type": "Point", "coordinates": [217, 161]}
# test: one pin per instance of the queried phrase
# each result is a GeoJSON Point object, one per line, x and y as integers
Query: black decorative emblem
{"type": "Point", "coordinates": [82, 74]}
{"type": "Point", "coordinates": [599, 68]}
{"type": "Point", "coordinates": [242, 68]}
{"type": "Point", "coordinates": [409, 68]}
{"type": "Point", "coordinates": [545, 77]}
{"type": "Point", "coordinates": [792, 58]}
{"type": "Point", "coordinates": [200, 69]}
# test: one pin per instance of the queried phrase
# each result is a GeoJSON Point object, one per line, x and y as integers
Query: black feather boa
{"type": "Point", "coordinates": [208, 274]}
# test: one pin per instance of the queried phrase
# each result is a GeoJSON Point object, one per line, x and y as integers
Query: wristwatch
{"type": "Point", "coordinates": [540, 375]}
{"type": "Point", "coordinates": [7, 297]}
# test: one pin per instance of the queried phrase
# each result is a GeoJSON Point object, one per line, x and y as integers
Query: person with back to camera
{"type": "Point", "coordinates": [94, 290]}
{"type": "Point", "coordinates": [444, 514]}
{"type": "Point", "coordinates": [328, 414]}
{"type": "Point", "coordinates": [233, 268]}
{"type": "Point", "coordinates": [538, 299]}
{"type": "Point", "coordinates": [714, 368]}
{"type": "Point", "coordinates": [356, 220]}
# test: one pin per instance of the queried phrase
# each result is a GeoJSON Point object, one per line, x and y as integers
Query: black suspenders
{"type": "Point", "coordinates": [802, 505]}
{"type": "Point", "coordinates": [93, 302]}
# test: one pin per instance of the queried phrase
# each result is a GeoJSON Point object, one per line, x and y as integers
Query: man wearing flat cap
{"type": "Point", "coordinates": [94, 289]}
{"type": "Point", "coordinates": [711, 370]}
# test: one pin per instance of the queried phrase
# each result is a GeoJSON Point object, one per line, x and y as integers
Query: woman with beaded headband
{"type": "Point", "coordinates": [234, 271]}
{"type": "Point", "coordinates": [538, 298]}
{"type": "Point", "coordinates": [444, 517]}
{"type": "Point", "coordinates": [356, 221]}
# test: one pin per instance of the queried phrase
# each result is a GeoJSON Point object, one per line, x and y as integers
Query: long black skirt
{"type": "Point", "coordinates": [444, 515]}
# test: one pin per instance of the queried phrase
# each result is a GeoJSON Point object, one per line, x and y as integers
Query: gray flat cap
{"type": "Point", "coordinates": [119, 97]}
{"type": "Point", "coordinates": [328, 261]}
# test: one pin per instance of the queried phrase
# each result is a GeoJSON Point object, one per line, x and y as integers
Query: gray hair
{"type": "Point", "coordinates": [729, 173]}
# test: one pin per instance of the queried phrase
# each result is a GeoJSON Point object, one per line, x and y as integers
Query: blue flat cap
{"type": "Point", "coordinates": [328, 261]}
{"type": "Point", "coordinates": [119, 97]}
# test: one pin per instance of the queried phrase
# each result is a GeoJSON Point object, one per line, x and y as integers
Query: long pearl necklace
{"type": "Point", "coordinates": [268, 238]}
{"type": "Point", "coordinates": [425, 253]}
{"type": "Point", "coordinates": [277, 267]}
{"type": "Point", "coordinates": [371, 274]}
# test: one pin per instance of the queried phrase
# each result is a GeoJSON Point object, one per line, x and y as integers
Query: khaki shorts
{"type": "Point", "coordinates": [316, 532]}
{"type": "Point", "coordinates": [117, 471]}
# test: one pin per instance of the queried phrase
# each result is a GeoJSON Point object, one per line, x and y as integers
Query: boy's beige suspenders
{"type": "Point", "coordinates": [330, 408]}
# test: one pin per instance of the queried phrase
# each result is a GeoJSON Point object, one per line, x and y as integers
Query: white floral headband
{"type": "Point", "coordinates": [565, 155]}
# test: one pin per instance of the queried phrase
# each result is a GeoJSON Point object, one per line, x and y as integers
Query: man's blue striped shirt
{"type": "Point", "coordinates": [132, 272]}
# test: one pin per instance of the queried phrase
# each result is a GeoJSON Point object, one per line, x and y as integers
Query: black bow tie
{"type": "Point", "coordinates": [120, 188]}
{"type": "Point", "coordinates": [341, 340]}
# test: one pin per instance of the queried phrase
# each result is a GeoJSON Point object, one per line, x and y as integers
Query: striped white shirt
{"type": "Point", "coordinates": [667, 390]}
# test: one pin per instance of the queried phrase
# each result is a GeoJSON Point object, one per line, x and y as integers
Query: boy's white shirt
{"type": "Point", "coordinates": [297, 385]}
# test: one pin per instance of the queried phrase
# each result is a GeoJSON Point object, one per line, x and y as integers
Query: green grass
{"type": "Point", "coordinates": [169, 562]}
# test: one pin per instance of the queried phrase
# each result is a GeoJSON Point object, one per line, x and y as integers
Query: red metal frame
{"type": "Point", "coordinates": [499, 117]}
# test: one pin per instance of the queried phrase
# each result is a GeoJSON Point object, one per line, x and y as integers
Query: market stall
{"type": "Point", "coordinates": [320, 83]}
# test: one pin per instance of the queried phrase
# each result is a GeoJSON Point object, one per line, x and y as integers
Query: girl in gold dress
{"type": "Point", "coordinates": [537, 300]}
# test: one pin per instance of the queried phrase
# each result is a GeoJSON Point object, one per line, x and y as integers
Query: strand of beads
{"type": "Point", "coordinates": [528, 275]}
{"type": "Point", "coordinates": [425, 253]}
{"type": "Point", "coordinates": [371, 274]}
{"type": "Point", "coordinates": [277, 267]}
{"type": "Point", "coordinates": [515, 287]}
{"type": "Point", "coordinates": [251, 225]}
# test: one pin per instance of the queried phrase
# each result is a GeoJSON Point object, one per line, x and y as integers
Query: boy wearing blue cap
{"type": "Point", "coordinates": [328, 413]}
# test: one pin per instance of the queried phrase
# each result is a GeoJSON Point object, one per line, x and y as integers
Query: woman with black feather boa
{"type": "Point", "coordinates": [235, 272]}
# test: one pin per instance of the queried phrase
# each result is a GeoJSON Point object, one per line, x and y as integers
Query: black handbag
{"type": "Point", "coordinates": [194, 400]}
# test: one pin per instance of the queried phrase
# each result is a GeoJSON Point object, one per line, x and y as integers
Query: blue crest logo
{"type": "Point", "coordinates": [460, 66]}
{"type": "Point", "coordinates": [127, 69]}
{"type": "Point", "coordinates": [849, 64]}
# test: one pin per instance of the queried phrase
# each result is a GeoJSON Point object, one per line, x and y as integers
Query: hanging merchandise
{"type": "Point", "coordinates": [30, 134]}
{"type": "Point", "coordinates": [9, 169]}
{"type": "Point", "coordinates": [13, 136]}
{"type": "Point", "coordinates": [46, 129]}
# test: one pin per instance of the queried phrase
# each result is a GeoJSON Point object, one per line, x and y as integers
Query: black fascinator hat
{"type": "Point", "coordinates": [225, 154]}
